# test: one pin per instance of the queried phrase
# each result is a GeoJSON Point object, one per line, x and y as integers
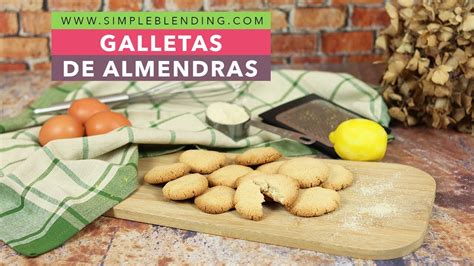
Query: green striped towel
{"type": "Point", "coordinates": [47, 194]}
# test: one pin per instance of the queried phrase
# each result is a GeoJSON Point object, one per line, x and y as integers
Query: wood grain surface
{"type": "Point", "coordinates": [384, 214]}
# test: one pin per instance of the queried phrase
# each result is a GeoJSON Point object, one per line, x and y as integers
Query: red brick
{"type": "Point", "coordinates": [159, 4]}
{"type": "Point", "coordinates": [370, 58]}
{"type": "Point", "coordinates": [235, 4]}
{"type": "Point", "coordinates": [24, 5]}
{"type": "Point", "coordinates": [125, 5]}
{"type": "Point", "coordinates": [279, 60]}
{"type": "Point", "coordinates": [36, 22]}
{"type": "Point", "coordinates": [8, 23]}
{"type": "Point", "coordinates": [74, 5]}
{"type": "Point", "coordinates": [42, 66]}
{"type": "Point", "coordinates": [339, 42]}
{"type": "Point", "coordinates": [22, 48]}
{"type": "Point", "coordinates": [183, 5]}
{"type": "Point", "coordinates": [279, 20]}
{"type": "Point", "coordinates": [291, 44]}
{"type": "Point", "coordinates": [317, 18]}
{"type": "Point", "coordinates": [369, 17]}
{"type": "Point", "coordinates": [278, 3]}
{"type": "Point", "coordinates": [310, 2]}
{"type": "Point", "coordinates": [7, 67]}
{"type": "Point", "coordinates": [316, 59]}
{"type": "Point", "coordinates": [339, 2]}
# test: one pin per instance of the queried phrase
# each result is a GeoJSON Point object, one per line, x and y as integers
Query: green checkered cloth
{"type": "Point", "coordinates": [48, 194]}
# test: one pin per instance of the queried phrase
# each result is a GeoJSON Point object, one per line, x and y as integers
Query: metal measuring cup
{"type": "Point", "coordinates": [235, 131]}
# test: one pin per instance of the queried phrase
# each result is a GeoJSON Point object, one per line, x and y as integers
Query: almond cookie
{"type": "Point", "coordinates": [248, 201]}
{"type": "Point", "coordinates": [258, 156]}
{"type": "Point", "coordinates": [185, 187]}
{"type": "Point", "coordinates": [279, 188]}
{"type": "Point", "coordinates": [270, 168]}
{"type": "Point", "coordinates": [203, 161]}
{"type": "Point", "coordinates": [164, 173]}
{"type": "Point", "coordinates": [249, 195]}
{"type": "Point", "coordinates": [227, 175]}
{"type": "Point", "coordinates": [315, 201]}
{"type": "Point", "coordinates": [339, 177]}
{"type": "Point", "coordinates": [248, 176]}
{"type": "Point", "coordinates": [218, 199]}
{"type": "Point", "coordinates": [309, 172]}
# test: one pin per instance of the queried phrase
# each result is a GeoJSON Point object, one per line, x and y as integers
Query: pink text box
{"type": "Point", "coordinates": [234, 42]}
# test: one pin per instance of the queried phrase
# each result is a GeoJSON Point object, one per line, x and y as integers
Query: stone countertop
{"type": "Point", "coordinates": [445, 154]}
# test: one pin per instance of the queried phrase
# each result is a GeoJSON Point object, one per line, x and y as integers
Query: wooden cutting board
{"type": "Point", "coordinates": [384, 214]}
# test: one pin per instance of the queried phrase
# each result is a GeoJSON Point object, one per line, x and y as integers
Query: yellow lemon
{"type": "Point", "coordinates": [359, 140]}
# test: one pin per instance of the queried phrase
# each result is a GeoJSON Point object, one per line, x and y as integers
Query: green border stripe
{"type": "Point", "coordinates": [85, 148]}
{"type": "Point", "coordinates": [12, 163]}
{"type": "Point", "coordinates": [213, 137]}
{"type": "Point", "coordinates": [74, 177]}
{"type": "Point", "coordinates": [63, 202]}
{"type": "Point", "coordinates": [172, 136]}
{"type": "Point", "coordinates": [18, 146]}
{"type": "Point", "coordinates": [46, 197]}
{"type": "Point", "coordinates": [28, 188]}
{"type": "Point", "coordinates": [161, 20]}
{"type": "Point", "coordinates": [339, 85]}
{"type": "Point", "coordinates": [61, 231]}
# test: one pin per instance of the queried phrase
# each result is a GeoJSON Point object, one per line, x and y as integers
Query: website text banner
{"type": "Point", "coordinates": [146, 67]}
{"type": "Point", "coordinates": [161, 42]}
{"type": "Point", "coordinates": [161, 45]}
{"type": "Point", "coordinates": [161, 20]}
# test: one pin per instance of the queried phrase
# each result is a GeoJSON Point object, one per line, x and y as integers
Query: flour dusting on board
{"type": "Point", "coordinates": [380, 210]}
{"type": "Point", "coordinates": [354, 223]}
{"type": "Point", "coordinates": [368, 214]}
{"type": "Point", "coordinates": [365, 216]}
{"type": "Point", "coordinates": [377, 189]}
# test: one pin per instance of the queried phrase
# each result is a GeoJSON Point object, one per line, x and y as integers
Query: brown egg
{"type": "Point", "coordinates": [60, 127]}
{"type": "Point", "coordinates": [105, 122]}
{"type": "Point", "coordinates": [84, 109]}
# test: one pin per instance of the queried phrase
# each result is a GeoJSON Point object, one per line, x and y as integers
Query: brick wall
{"type": "Point", "coordinates": [304, 31]}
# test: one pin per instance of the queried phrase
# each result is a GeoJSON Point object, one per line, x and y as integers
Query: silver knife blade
{"type": "Point", "coordinates": [303, 139]}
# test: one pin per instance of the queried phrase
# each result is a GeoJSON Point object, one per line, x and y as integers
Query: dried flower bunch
{"type": "Point", "coordinates": [429, 49]}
